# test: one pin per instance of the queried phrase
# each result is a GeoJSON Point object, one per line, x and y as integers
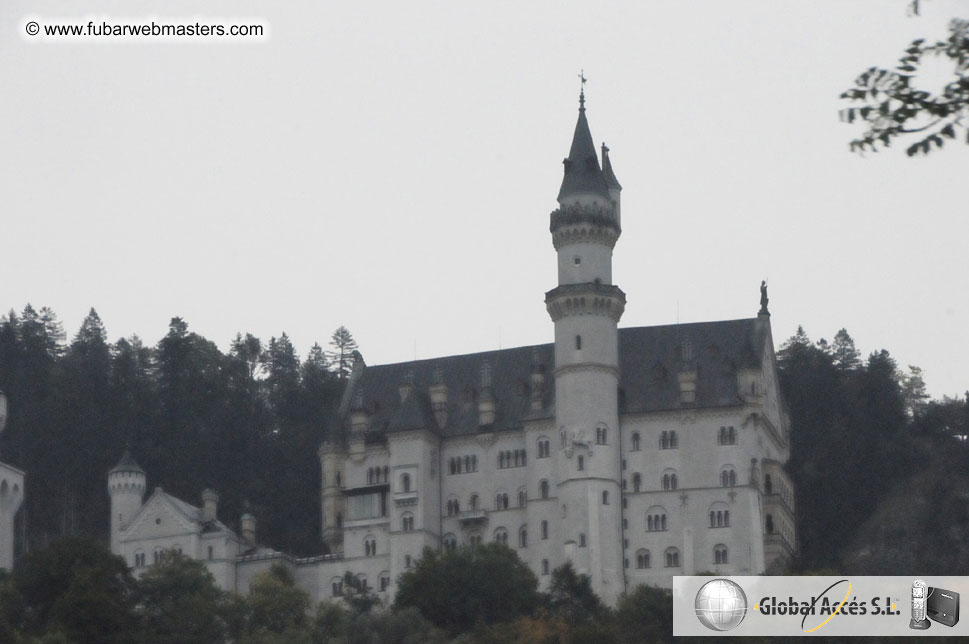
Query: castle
{"type": "Point", "coordinates": [637, 454]}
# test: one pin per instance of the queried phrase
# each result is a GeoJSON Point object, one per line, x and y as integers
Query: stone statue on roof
{"type": "Point", "coordinates": [763, 296]}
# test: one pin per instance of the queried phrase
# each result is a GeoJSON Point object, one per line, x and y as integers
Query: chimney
{"type": "Point", "coordinates": [358, 414]}
{"type": "Point", "coordinates": [249, 529]}
{"type": "Point", "coordinates": [537, 384]}
{"type": "Point", "coordinates": [210, 505]}
{"type": "Point", "coordinates": [486, 401]}
{"type": "Point", "coordinates": [406, 386]}
{"type": "Point", "coordinates": [438, 393]}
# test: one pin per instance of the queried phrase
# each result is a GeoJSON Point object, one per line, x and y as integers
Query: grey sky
{"type": "Point", "coordinates": [391, 167]}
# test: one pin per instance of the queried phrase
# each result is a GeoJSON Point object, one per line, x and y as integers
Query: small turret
{"type": "Point", "coordinates": [126, 486]}
{"type": "Point", "coordinates": [248, 523]}
{"type": "Point", "coordinates": [210, 505]}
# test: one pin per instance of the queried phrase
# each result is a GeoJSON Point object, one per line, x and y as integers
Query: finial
{"type": "Point", "coordinates": [583, 79]}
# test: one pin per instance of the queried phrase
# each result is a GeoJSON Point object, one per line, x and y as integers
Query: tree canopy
{"type": "Point", "coordinates": [892, 105]}
{"type": "Point", "coordinates": [456, 589]}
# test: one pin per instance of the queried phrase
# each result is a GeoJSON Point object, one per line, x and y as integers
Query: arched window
{"type": "Point", "coordinates": [768, 485]}
{"type": "Point", "coordinates": [501, 460]}
{"type": "Point", "coordinates": [728, 476]}
{"type": "Point", "coordinates": [672, 558]}
{"type": "Point", "coordinates": [473, 502]}
{"type": "Point", "coordinates": [664, 440]}
{"type": "Point", "coordinates": [669, 480]}
{"type": "Point", "coordinates": [720, 554]}
{"type": "Point", "coordinates": [523, 537]}
{"type": "Point", "coordinates": [407, 522]}
{"type": "Point", "coordinates": [656, 519]}
{"type": "Point", "coordinates": [770, 524]}
{"type": "Point", "coordinates": [544, 529]}
{"type": "Point", "coordinates": [580, 463]}
{"type": "Point", "coordinates": [522, 498]}
{"type": "Point", "coordinates": [405, 482]}
{"type": "Point", "coordinates": [637, 482]}
{"type": "Point", "coordinates": [452, 465]}
{"type": "Point", "coordinates": [719, 515]}
{"type": "Point", "coordinates": [674, 441]}
{"type": "Point", "coordinates": [543, 489]}
{"type": "Point", "coordinates": [384, 581]}
{"type": "Point", "coordinates": [369, 547]}
{"type": "Point", "coordinates": [453, 507]}
{"type": "Point", "coordinates": [501, 501]}
{"type": "Point", "coordinates": [642, 559]}
{"type": "Point", "coordinates": [140, 559]}
{"type": "Point", "coordinates": [157, 556]}
{"type": "Point", "coordinates": [336, 584]}
{"type": "Point", "coordinates": [731, 436]}
{"type": "Point", "coordinates": [474, 540]}
{"type": "Point", "coordinates": [544, 450]}
{"type": "Point", "coordinates": [450, 542]}
{"type": "Point", "coordinates": [501, 536]}
{"type": "Point", "coordinates": [601, 435]}
{"type": "Point", "coordinates": [635, 441]}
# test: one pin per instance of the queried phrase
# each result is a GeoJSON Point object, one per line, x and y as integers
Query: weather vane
{"type": "Point", "coordinates": [583, 79]}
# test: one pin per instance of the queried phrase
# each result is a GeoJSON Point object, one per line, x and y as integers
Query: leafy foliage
{"type": "Point", "coordinates": [246, 423]}
{"type": "Point", "coordinates": [78, 589]}
{"type": "Point", "coordinates": [179, 602]}
{"type": "Point", "coordinates": [456, 589]}
{"type": "Point", "coordinates": [892, 106]}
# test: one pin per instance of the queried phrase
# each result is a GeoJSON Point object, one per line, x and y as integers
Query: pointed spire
{"type": "Point", "coordinates": [582, 171]}
{"type": "Point", "coordinates": [607, 172]}
{"type": "Point", "coordinates": [127, 464]}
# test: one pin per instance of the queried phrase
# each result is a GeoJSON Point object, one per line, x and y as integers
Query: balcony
{"type": "Point", "coordinates": [473, 516]}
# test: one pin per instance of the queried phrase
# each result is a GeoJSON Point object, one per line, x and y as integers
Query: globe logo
{"type": "Point", "coordinates": [721, 605]}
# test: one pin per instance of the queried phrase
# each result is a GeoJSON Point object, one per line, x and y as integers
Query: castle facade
{"type": "Point", "coordinates": [636, 453]}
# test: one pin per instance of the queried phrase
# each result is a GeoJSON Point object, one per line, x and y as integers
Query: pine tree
{"type": "Point", "coordinates": [341, 357]}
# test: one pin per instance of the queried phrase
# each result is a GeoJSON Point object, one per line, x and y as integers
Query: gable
{"type": "Point", "coordinates": [161, 517]}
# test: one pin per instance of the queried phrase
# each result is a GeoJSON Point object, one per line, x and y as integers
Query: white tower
{"type": "Point", "coordinates": [126, 486]}
{"type": "Point", "coordinates": [11, 498]}
{"type": "Point", "coordinates": [586, 308]}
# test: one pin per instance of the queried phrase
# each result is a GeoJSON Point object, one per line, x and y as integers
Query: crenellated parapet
{"type": "Point", "coordinates": [578, 223]}
{"type": "Point", "coordinates": [585, 299]}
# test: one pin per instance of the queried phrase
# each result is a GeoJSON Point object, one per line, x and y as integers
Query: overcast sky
{"type": "Point", "coordinates": [391, 167]}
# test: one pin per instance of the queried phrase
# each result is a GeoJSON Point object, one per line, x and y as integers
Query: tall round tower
{"type": "Point", "coordinates": [126, 486]}
{"type": "Point", "coordinates": [586, 307]}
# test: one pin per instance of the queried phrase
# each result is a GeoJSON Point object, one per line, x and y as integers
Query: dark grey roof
{"type": "Point", "coordinates": [607, 172]}
{"type": "Point", "coordinates": [582, 172]}
{"type": "Point", "coordinates": [650, 359]}
{"type": "Point", "coordinates": [127, 464]}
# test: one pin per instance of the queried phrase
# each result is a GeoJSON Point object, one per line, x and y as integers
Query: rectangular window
{"type": "Point", "coordinates": [367, 506]}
